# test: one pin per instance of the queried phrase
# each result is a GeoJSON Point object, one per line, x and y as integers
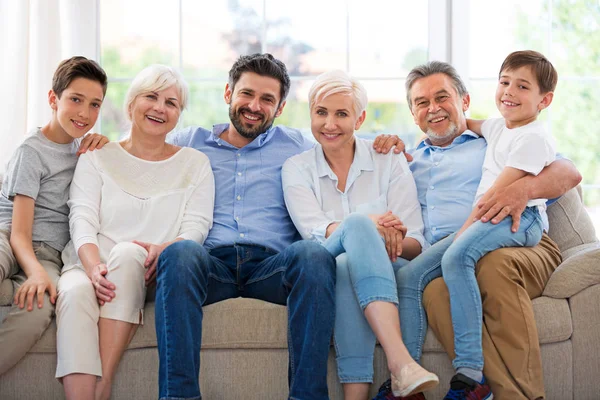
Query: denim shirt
{"type": "Point", "coordinates": [249, 204]}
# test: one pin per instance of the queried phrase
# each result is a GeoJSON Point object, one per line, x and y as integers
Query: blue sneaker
{"type": "Point", "coordinates": [464, 388]}
{"type": "Point", "coordinates": [385, 393]}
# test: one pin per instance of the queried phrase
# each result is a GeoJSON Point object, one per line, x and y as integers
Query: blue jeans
{"type": "Point", "coordinates": [455, 261]}
{"type": "Point", "coordinates": [189, 276]}
{"type": "Point", "coordinates": [364, 274]}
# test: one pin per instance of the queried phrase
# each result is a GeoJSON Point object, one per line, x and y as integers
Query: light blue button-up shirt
{"type": "Point", "coordinates": [249, 204]}
{"type": "Point", "coordinates": [447, 179]}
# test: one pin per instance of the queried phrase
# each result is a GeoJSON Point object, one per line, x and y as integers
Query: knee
{"type": "Point", "coordinates": [75, 293]}
{"type": "Point", "coordinates": [38, 319]}
{"type": "Point", "coordinates": [496, 268]}
{"type": "Point", "coordinates": [181, 260]}
{"type": "Point", "coordinates": [358, 222]}
{"type": "Point", "coordinates": [126, 264]}
{"type": "Point", "coordinates": [314, 262]}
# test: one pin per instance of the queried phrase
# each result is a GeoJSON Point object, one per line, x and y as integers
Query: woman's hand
{"type": "Point", "coordinates": [154, 251]}
{"type": "Point", "coordinates": [38, 283]}
{"type": "Point", "coordinates": [393, 241]}
{"type": "Point", "coordinates": [105, 290]}
{"type": "Point", "coordinates": [389, 220]}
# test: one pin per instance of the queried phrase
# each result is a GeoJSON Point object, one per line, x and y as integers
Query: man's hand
{"type": "Point", "coordinates": [389, 220]}
{"type": "Point", "coordinates": [384, 143]}
{"type": "Point", "coordinates": [105, 290]}
{"type": "Point", "coordinates": [91, 142]}
{"type": "Point", "coordinates": [38, 283]}
{"type": "Point", "coordinates": [497, 204]}
{"type": "Point", "coordinates": [154, 251]}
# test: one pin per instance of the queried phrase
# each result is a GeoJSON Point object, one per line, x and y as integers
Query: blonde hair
{"type": "Point", "coordinates": [338, 81]}
{"type": "Point", "coordinates": [155, 78]}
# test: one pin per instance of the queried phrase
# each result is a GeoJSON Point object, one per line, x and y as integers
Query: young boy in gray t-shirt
{"type": "Point", "coordinates": [34, 216]}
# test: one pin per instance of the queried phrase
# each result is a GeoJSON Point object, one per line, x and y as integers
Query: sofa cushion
{"type": "Point", "coordinates": [570, 224]}
{"type": "Point", "coordinates": [255, 324]}
{"type": "Point", "coordinates": [579, 271]}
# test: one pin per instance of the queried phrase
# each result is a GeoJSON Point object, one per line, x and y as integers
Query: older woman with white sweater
{"type": "Point", "coordinates": [128, 201]}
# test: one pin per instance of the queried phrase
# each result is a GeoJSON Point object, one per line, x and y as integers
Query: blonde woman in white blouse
{"type": "Point", "coordinates": [128, 201]}
{"type": "Point", "coordinates": [363, 207]}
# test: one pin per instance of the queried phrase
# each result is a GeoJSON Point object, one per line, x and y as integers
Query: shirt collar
{"type": "Point", "coordinates": [363, 161]}
{"type": "Point", "coordinates": [464, 137]}
{"type": "Point", "coordinates": [260, 141]}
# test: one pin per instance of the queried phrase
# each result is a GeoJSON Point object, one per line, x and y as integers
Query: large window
{"type": "Point", "coordinates": [378, 41]}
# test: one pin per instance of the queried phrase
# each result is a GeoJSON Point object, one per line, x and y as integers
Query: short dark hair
{"type": "Point", "coordinates": [432, 68]}
{"type": "Point", "coordinates": [542, 69]}
{"type": "Point", "coordinates": [264, 65]}
{"type": "Point", "coordinates": [77, 67]}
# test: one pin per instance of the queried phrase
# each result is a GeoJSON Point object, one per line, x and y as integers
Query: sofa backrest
{"type": "Point", "coordinates": [570, 224]}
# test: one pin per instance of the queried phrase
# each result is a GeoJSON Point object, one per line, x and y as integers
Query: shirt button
{"type": "Point", "coordinates": [239, 174]}
{"type": "Point", "coordinates": [431, 187]}
{"type": "Point", "coordinates": [242, 235]}
{"type": "Point", "coordinates": [238, 154]}
{"type": "Point", "coordinates": [434, 229]}
{"type": "Point", "coordinates": [433, 207]}
{"type": "Point", "coordinates": [239, 197]}
{"type": "Point", "coordinates": [237, 218]}
{"type": "Point", "coordinates": [436, 163]}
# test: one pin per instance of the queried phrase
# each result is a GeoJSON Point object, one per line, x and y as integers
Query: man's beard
{"type": "Point", "coordinates": [443, 138]}
{"type": "Point", "coordinates": [249, 133]}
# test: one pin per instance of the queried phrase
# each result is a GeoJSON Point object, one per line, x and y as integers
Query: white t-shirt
{"type": "Point", "coordinates": [528, 148]}
{"type": "Point", "coordinates": [116, 197]}
{"type": "Point", "coordinates": [376, 183]}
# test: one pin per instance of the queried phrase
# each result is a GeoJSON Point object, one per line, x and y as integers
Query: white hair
{"type": "Point", "coordinates": [155, 78]}
{"type": "Point", "coordinates": [338, 81]}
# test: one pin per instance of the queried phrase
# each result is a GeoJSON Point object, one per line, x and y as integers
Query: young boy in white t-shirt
{"type": "Point", "coordinates": [34, 216]}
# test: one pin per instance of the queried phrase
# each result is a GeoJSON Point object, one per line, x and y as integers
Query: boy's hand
{"type": "Point", "coordinates": [38, 283]}
{"type": "Point", "coordinates": [105, 290]}
{"type": "Point", "coordinates": [91, 142]}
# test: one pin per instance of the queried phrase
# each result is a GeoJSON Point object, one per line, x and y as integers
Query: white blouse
{"type": "Point", "coordinates": [116, 197]}
{"type": "Point", "coordinates": [376, 183]}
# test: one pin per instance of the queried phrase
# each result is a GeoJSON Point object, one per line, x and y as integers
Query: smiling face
{"type": "Point", "coordinates": [333, 122]}
{"type": "Point", "coordinates": [155, 113]}
{"type": "Point", "coordinates": [438, 109]}
{"type": "Point", "coordinates": [253, 104]}
{"type": "Point", "coordinates": [78, 107]}
{"type": "Point", "coordinates": [518, 97]}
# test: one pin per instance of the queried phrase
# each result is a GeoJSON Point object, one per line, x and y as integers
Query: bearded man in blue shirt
{"type": "Point", "coordinates": [252, 249]}
{"type": "Point", "coordinates": [447, 170]}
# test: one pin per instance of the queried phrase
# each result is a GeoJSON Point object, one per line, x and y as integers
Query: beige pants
{"type": "Point", "coordinates": [21, 329]}
{"type": "Point", "coordinates": [508, 279]}
{"type": "Point", "coordinates": [78, 311]}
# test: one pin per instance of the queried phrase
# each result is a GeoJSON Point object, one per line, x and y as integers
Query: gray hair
{"type": "Point", "coordinates": [155, 78]}
{"type": "Point", "coordinates": [338, 81]}
{"type": "Point", "coordinates": [432, 68]}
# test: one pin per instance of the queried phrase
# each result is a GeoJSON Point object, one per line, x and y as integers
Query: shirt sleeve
{"type": "Point", "coordinates": [531, 152]}
{"type": "Point", "coordinates": [84, 203]}
{"type": "Point", "coordinates": [198, 215]}
{"type": "Point", "coordinates": [490, 127]}
{"type": "Point", "coordinates": [403, 201]}
{"type": "Point", "coordinates": [301, 202]}
{"type": "Point", "coordinates": [24, 173]}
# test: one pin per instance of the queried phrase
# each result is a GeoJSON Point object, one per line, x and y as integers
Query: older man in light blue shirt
{"type": "Point", "coordinates": [447, 170]}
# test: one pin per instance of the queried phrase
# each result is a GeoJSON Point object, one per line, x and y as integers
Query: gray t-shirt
{"type": "Point", "coordinates": [42, 170]}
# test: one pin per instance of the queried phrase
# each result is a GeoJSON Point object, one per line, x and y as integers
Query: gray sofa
{"type": "Point", "coordinates": [244, 354]}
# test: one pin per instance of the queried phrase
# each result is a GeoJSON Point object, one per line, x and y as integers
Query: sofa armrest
{"type": "Point", "coordinates": [578, 272]}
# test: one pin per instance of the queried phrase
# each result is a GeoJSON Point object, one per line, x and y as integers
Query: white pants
{"type": "Point", "coordinates": [78, 311]}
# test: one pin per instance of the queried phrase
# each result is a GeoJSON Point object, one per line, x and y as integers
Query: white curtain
{"type": "Point", "coordinates": [35, 35]}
